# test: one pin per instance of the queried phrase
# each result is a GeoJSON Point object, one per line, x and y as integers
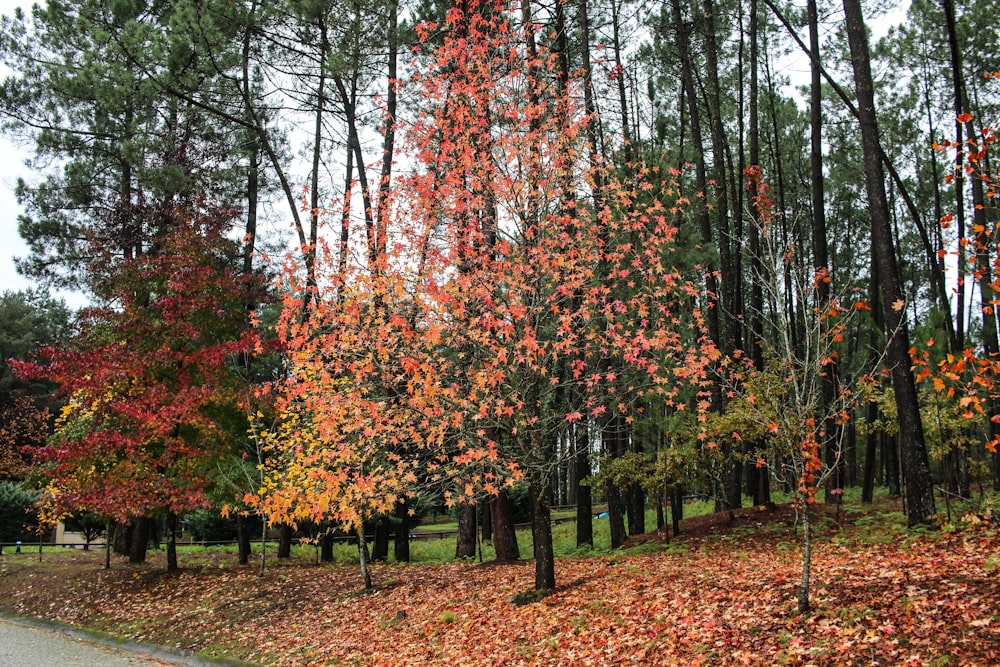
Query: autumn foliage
{"type": "Point", "coordinates": [519, 267]}
{"type": "Point", "coordinates": [150, 382]}
{"type": "Point", "coordinates": [969, 377]}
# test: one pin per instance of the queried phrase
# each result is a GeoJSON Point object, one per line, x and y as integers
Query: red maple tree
{"type": "Point", "coordinates": [152, 376]}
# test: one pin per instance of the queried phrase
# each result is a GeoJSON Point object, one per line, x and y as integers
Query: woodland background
{"type": "Point", "coordinates": [557, 253]}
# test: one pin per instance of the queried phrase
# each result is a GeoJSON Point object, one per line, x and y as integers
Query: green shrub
{"type": "Point", "coordinates": [207, 525]}
{"type": "Point", "coordinates": [18, 516]}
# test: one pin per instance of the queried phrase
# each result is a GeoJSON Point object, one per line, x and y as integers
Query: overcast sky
{"type": "Point", "coordinates": [11, 166]}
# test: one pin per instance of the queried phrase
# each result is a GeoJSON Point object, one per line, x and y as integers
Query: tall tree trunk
{"type": "Point", "coordinates": [465, 547]}
{"type": "Point", "coordinates": [954, 322]}
{"type": "Point", "coordinates": [326, 545]}
{"type": "Point", "coordinates": [874, 439]}
{"type": "Point", "coordinates": [256, 122]}
{"type": "Point", "coordinates": [985, 244]}
{"type": "Point", "coordinates": [835, 483]}
{"type": "Point", "coordinates": [401, 544]}
{"type": "Point", "coordinates": [611, 437]}
{"type": "Point", "coordinates": [388, 135]}
{"type": "Point", "coordinates": [616, 44]}
{"type": "Point", "coordinates": [285, 541]}
{"type": "Point", "coordinates": [345, 216]}
{"type": "Point", "coordinates": [730, 277]}
{"type": "Point", "coordinates": [253, 198]}
{"type": "Point", "coordinates": [172, 542]}
{"type": "Point", "coordinates": [584, 498]}
{"type": "Point", "coordinates": [676, 508]}
{"type": "Point", "coordinates": [123, 537]}
{"type": "Point", "coordinates": [380, 548]}
{"type": "Point", "coordinates": [141, 530]}
{"type": "Point", "coordinates": [635, 499]}
{"type": "Point", "coordinates": [504, 535]}
{"type": "Point", "coordinates": [486, 521]}
{"type": "Point", "coordinates": [871, 450]}
{"type": "Point", "coordinates": [314, 199]}
{"type": "Point", "coordinates": [541, 533]}
{"type": "Point", "coordinates": [713, 304]}
{"type": "Point", "coordinates": [890, 465]}
{"type": "Point", "coordinates": [244, 548]}
{"type": "Point", "coordinates": [919, 488]}
{"type": "Point", "coordinates": [759, 478]}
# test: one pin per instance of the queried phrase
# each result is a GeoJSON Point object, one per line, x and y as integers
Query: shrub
{"type": "Point", "coordinates": [18, 516]}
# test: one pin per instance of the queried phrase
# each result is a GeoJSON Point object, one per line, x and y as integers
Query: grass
{"type": "Point", "coordinates": [880, 523]}
{"type": "Point", "coordinates": [299, 613]}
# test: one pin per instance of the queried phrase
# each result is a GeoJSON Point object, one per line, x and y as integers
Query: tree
{"type": "Point", "coordinates": [85, 89]}
{"type": "Point", "coordinates": [919, 488]}
{"type": "Point", "coordinates": [788, 403]}
{"type": "Point", "coordinates": [18, 514]}
{"type": "Point", "coordinates": [152, 383]}
{"type": "Point", "coordinates": [449, 365]}
{"type": "Point", "coordinates": [27, 320]}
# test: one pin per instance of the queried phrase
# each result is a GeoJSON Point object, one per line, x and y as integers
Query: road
{"type": "Point", "coordinates": [22, 644]}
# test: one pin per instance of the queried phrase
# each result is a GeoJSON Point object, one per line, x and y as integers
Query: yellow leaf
{"type": "Point", "coordinates": [898, 305]}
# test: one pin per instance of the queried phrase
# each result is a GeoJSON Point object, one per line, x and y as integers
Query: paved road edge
{"type": "Point", "coordinates": [153, 651]}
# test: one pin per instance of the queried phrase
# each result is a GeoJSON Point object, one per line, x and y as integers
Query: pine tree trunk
{"type": "Point", "coordinates": [285, 541]}
{"type": "Point", "coordinates": [676, 509]}
{"type": "Point", "coordinates": [140, 540]}
{"type": "Point", "coordinates": [871, 449]}
{"type": "Point", "coordinates": [326, 546]}
{"type": "Point", "coordinates": [244, 547]}
{"type": "Point", "coordinates": [541, 534]}
{"type": "Point", "coordinates": [172, 542]}
{"type": "Point", "coordinates": [890, 459]}
{"type": "Point", "coordinates": [123, 538]}
{"type": "Point", "coordinates": [635, 499]}
{"type": "Point", "coordinates": [485, 521]}
{"type": "Point", "coordinates": [465, 547]}
{"type": "Point", "coordinates": [919, 489]}
{"type": "Point", "coordinates": [584, 497]}
{"type": "Point", "coordinates": [380, 548]}
{"type": "Point", "coordinates": [401, 543]}
{"type": "Point", "coordinates": [834, 488]}
{"type": "Point", "coordinates": [504, 536]}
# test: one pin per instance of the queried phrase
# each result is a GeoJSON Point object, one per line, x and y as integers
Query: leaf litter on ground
{"type": "Point", "coordinates": [719, 597]}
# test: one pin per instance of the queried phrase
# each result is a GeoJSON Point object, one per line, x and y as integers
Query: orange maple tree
{"type": "Point", "coordinates": [447, 364]}
{"type": "Point", "coordinates": [972, 376]}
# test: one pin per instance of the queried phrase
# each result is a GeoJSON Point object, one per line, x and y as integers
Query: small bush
{"type": "Point", "coordinates": [18, 516]}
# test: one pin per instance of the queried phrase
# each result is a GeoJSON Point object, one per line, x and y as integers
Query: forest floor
{"type": "Point", "coordinates": [723, 593]}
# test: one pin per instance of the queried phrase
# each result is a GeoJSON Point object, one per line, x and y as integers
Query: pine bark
{"type": "Point", "coordinates": [541, 533]}
{"type": "Point", "coordinates": [142, 528]}
{"type": "Point", "coordinates": [243, 540]}
{"type": "Point", "coordinates": [504, 536]}
{"type": "Point", "coordinates": [172, 542]}
{"type": "Point", "coordinates": [919, 488]}
{"type": "Point", "coordinates": [285, 541]}
{"type": "Point", "coordinates": [465, 547]}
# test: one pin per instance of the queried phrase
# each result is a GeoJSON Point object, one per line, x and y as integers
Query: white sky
{"type": "Point", "coordinates": [12, 166]}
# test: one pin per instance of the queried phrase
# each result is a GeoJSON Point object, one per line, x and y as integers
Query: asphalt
{"type": "Point", "coordinates": [38, 644]}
